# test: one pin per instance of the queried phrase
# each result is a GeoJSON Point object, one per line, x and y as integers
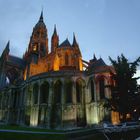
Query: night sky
{"type": "Point", "coordinates": [104, 27]}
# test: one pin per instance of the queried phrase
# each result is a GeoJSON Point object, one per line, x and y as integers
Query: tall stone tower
{"type": "Point", "coordinates": [38, 45]}
{"type": "Point", "coordinates": [37, 51]}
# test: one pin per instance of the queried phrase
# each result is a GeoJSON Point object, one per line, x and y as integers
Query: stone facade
{"type": "Point", "coordinates": [54, 89]}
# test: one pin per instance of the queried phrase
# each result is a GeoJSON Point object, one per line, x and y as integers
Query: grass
{"type": "Point", "coordinates": [21, 136]}
{"type": "Point", "coordinates": [26, 136]}
{"type": "Point", "coordinates": [16, 127]}
{"type": "Point", "coordinates": [126, 135]}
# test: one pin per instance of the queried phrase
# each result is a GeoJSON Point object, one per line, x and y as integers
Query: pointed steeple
{"type": "Point", "coordinates": [41, 17]}
{"type": "Point", "coordinates": [54, 40]}
{"type": "Point", "coordinates": [7, 48]}
{"type": "Point", "coordinates": [8, 45]}
{"type": "Point", "coordinates": [74, 40]}
{"type": "Point", "coordinates": [55, 31]}
{"type": "Point", "coordinates": [94, 57]}
{"type": "Point", "coordinates": [76, 45]}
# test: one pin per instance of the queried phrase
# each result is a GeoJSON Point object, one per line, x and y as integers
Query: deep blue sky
{"type": "Point", "coordinates": [104, 27]}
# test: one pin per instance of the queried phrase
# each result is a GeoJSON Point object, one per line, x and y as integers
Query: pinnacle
{"type": "Point", "coordinates": [41, 17]}
{"type": "Point", "coordinates": [7, 45]}
{"type": "Point", "coordinates": [55, 31]}
{"type": "Point", "coordinates": [74, 39]}
{"type": "Point", "coordinates": [94, 57]}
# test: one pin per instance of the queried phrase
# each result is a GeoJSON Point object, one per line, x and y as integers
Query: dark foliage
{"type": "Point", "coordinates": [125, 91]}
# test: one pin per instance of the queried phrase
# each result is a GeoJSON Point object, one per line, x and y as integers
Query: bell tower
{"type": "Point", "coordinates": [38, 45]}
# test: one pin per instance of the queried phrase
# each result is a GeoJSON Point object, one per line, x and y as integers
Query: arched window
{"type": "Point", "coordinates": [68, 92]}
{"type": "Point", "coordinates": [92, 90]}
{"type": "Point", "coordinates": [34, 58]}
{"type": "Point", "coordinates": [57, 92]}
{"type": "Point", "coordinates": [42, 50]}
{"type": "Point", "coordinates": [78, 91]}
{"type": "Point", "coordinates": [44, 92]}
{"type": "Point", "coordinates": [35, 93]}
{"type": "Point", "coordinates": [66, 59]}
{"type": "Point", "coordinates": [102, 88]}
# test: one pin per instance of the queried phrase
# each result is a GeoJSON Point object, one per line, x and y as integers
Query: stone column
{"type": "Point", "coordinates": [18, 104]}
{"type": "Point", "coordinates": [38, 102]}
{"type": "Point", "coordinates": [74, 93]}
{"type": "Point", "coordinates": [84, 104]}
{"type": "Point", "coordinates": [8, 106]}
{"type": "Point", "coordinates": [95, 91]}
{"type": "Point", "coordinates": [50, 100]}
{"type": "Point", "coordinates": [2, 105]}
{"type": "Point", "coordinates": [96, 95]}
{"type": "Point", "coordinates": [37, 110]}
{"type": "Point", "coordinates": [21, 106]}
{"type": "Point", "coordinates": [74, 101]}
{"type": "Point", "coordinates": [24, 103]}
{"type": "Point", "coordinates": [28, 105]}
{"type": "Point", "coordinates": [62, 102]}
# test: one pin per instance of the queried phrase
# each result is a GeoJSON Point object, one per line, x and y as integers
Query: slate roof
{"type": "Point", "coordinates": [16, 61]}
{"type": "Point", "coordinates": [66, 43]}
{"type": "Point", "coordinates": [40, 24]}
{"type": "Point", "coordinates": [99, 65]}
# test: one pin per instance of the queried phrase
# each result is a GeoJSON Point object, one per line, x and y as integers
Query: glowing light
{"type": "Point", "coordinates": [34, 48]}
{"type": "Point", "coordinates": [115, 117]}
{"type": "Point", "coordinates": [25, 73]}
{"type": "Point", "coordinates": [56, 64]}
{"type": "Point", "coordinates": [128, 116]}
{"type": "Point", "coordinates": [80, 64]}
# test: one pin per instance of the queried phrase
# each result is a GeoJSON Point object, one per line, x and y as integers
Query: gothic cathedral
{"type": "Point", "coordinates": [53, 89]}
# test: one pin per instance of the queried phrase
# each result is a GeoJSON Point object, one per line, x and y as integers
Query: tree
{"type": "Point", "coordinates": [125, 90]}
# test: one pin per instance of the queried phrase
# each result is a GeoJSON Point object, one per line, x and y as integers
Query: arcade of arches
{"type": "Point", "coordinates": [61, 102]}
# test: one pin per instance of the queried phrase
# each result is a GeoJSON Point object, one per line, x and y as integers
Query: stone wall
{"type": "Point", "coordinates": [19, 104]}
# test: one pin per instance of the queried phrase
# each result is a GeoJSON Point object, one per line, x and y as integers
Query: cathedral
{"type": "Point", "coordinates": [53, 89]}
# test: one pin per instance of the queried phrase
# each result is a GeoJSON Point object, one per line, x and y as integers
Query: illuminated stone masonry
{"type": "Point", "coordinates": [56, 89]}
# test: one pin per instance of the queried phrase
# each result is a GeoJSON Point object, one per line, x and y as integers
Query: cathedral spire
{"type": "Point", "coordinates": [54, 40]}
{"type": "Point", "coordinates": [74, 40]}
{"type": "Point", "coordinates": [6, 51]}
{"type": "Point", "coordinates": [41, 17]}
{"type": "Point", "coordinates": [94, 57]}
{"type": "Point", "coordinates": [8, 45]}
{"type": "Point", "coordinates": [55, 31]}
{"type": "Point", "coordinates": [7, 48]}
